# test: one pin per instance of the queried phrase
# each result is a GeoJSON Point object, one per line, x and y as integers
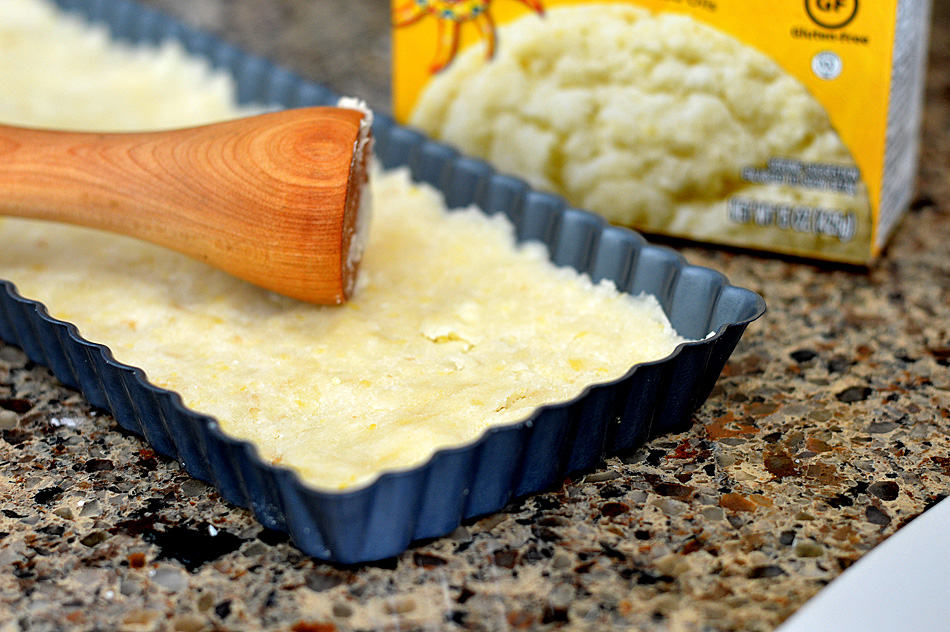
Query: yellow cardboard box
{"type": "Point", "coordinates": [782, 125]}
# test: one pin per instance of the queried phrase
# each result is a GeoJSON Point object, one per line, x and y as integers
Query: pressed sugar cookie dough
{"type": "Point", "coordinates": [453, 327]}
{"type": "Point", "coordinates": [649, 119]}
{"type": "Point", "coordinates": [52, 64]}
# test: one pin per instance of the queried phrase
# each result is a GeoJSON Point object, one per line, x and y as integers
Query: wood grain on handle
{"type": "Point", "coordinates": [272, 199]}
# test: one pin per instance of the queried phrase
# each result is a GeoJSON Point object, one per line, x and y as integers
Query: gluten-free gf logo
{"type": "Point", "coordinates": [831, 14]}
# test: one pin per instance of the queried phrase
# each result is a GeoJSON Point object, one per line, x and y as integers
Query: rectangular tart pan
{"type": "Point", "coordinates": [383, 518]}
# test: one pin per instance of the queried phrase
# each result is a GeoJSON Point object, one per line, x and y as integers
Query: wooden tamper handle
{"type": "Point", "coordinates": [274, 199]}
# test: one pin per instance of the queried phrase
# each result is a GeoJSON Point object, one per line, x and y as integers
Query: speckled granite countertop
{"type": "Point", "coordinates": [827, 431]}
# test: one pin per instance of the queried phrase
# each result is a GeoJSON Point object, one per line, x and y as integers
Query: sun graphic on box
{"type": "Point", "coordinates": [451, 14]}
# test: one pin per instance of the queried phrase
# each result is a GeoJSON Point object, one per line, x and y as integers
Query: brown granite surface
{"type": "Point", "coordinates": [827, 431]}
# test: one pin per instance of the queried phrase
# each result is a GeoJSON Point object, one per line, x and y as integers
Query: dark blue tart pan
{"type": "Point", "coordinates": [383, 518]}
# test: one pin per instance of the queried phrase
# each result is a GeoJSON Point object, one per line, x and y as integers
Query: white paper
{"type": "Point", "coordinates": [903, 584]}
